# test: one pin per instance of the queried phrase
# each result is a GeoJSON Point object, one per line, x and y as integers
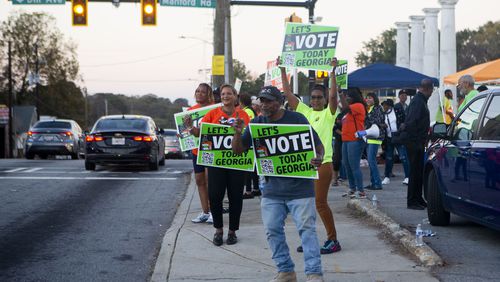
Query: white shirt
{"type": "Point", "coordinates": [390, 121]}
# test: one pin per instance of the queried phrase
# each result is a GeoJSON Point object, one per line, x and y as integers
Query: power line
{"type": "Point", "coordinates": [141, 60]}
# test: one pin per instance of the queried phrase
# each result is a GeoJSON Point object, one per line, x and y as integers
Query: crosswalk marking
{"type": "Point", "coordinates": [16, 169]}
{"type": "Point", "coordinates": [33, 169]}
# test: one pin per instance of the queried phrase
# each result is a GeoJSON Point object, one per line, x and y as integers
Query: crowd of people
{"type": "Point", "coordinates": [343, 133]}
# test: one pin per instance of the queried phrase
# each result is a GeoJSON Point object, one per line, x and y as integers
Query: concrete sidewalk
{"type": "Point", "coordinates": [187, 252]}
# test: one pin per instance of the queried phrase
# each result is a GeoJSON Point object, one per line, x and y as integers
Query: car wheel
{"type": "Point", "coordinates": [43, 156]}
{"type": "Point", "coordinates": [154, 165]}
{"type": "Point", "coordinates": [30, 156]}
{"type": "Point", "coordinates": [89, 165]}
{"type": "Point", "coordinates": [162, 161]}
{"type": "Point", "coordinates": [435, 210]}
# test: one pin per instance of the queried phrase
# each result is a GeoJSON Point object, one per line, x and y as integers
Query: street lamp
{"type": "Point", "coordinates": [206, 71]}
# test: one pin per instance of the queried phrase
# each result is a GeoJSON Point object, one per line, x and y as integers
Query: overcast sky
{"type": "Point", "coordinates": [118, 55]}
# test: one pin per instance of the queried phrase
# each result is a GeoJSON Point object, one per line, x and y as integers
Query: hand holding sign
{"type": "Point", "coordinates": [238, 124]}
{"type": "Point", "coordinates": [317, 161]}
{"type": "Point", "coordinates": [334, 63]}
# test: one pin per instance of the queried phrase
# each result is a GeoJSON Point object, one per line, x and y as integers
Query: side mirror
{"type": "Point", "coordinates": [439, 131]}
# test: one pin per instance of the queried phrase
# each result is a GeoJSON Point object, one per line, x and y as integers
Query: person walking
{"type": "Point", "coordinates": [221, 180]}
{"type": "Point", "coordinates": [375, 117]}
{"type": "Point", "coordinates": [416, 125]}
{"type": "Point", "coordinates": [283, 195]}
{"type": "Point", "coordinates": [204, 97]}
{"type": "Point", "coordinates": [321, 115]}
{"type": "Point", "coordinates": [352, 147]}
{"type": "Point", "coordinates": [392, 129]}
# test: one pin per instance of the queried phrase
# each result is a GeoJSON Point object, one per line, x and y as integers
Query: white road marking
{"type": "Point", "coordinates": [33, 169]}
{"type": "Point", "coordinates": [84, 178]}
{"type": "Point", "coordinates": [16, 169]}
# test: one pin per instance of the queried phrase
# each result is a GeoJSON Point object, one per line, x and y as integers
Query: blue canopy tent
{"type": "Point", "coordinates": [380, 76]}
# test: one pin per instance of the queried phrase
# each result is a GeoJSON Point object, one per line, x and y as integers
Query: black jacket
{"type": "Point", "coordinates": [417, 120]}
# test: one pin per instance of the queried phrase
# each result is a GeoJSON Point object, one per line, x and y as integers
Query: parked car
{"type": "Point", "coordinates": [54, 137]}
{"type": "Point", "coordinates": [125, 139]}
{"type": "Point", "coordinates": [462, 171]}
{"type": "Point", "coordinates": [172, 145]}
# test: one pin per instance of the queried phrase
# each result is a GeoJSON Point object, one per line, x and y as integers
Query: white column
{"type": "Point", "coordinates": [431, 55]}
{"type": "Point", "coordinates": [402, 45]}
{"type": "Point", "coordinates": [448, 44]}
{"type": "Point", "coordinates": [431, 43]}
{"type": "Point", "coordinates": [417, 43]}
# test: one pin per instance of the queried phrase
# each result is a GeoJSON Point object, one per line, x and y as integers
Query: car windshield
{"type": "Point", "coordinates": [53, 124]}
{"type": "Point", "coordinates": [122, 124]}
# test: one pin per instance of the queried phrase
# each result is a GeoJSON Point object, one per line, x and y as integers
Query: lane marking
{"type": "Point", "coordinates": [16, 169]}
{"type": "Point", "coordinates": [33, 169]}
{"type": "Point", "coordinates": [84, 178]}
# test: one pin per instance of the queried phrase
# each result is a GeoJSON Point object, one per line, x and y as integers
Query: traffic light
{"type": "Point", "coordinates": [321, 74]}
{"type": "Point", "coordinates": [148, 12]}
{"type": "Point", "coordinates": [79, 11]}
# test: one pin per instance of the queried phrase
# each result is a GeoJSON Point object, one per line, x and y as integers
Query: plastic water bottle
{"type": "Point", "coordinates": [419, 234]}
{"type": "Point", "coordinates": [374, 201]}
{"type": "Point", "coordinates": [426, 228]}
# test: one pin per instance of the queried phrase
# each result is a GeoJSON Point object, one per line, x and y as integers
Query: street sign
{"type": "Point", "coordinates": [188, 3]}
{"type": "Point", "coordinates": [38, 2]}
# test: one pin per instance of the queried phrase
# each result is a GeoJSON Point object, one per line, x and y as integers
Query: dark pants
{"type": "Point", "coordinates": [415, 183]}
{"type": "Point", "coordinates": [220, 180]}
{"type": "Point", "coordinates": [251, 177]}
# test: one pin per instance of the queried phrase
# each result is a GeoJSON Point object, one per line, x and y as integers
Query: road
{"type": "Point", "coordinates": [61, 223]}
{"type": "Point", "coordinates": [470, 251]}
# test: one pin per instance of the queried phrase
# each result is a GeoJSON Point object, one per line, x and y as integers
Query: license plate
{"type": "Point", "coordinates": [50, 138]}
{"type": "Point", "coordinates": [118, 141]}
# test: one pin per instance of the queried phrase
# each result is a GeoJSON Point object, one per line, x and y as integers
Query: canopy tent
{"type": "Point", "coordinates": [487, 72]}
{"type": "Point", "coordinates": [377, 76]}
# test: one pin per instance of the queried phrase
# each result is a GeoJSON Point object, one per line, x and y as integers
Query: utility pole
{"type": "Point", "coordinates": [11, 108]}
{"type": "Point", "coordinates": [37, 80]}
{"type": "Point", "coordinates": [222, 44]}
{"type": "Point", "coordinates": [312, 74]}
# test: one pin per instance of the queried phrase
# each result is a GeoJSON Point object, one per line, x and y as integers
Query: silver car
{"type": "Point", "coordinates": [55, 137]}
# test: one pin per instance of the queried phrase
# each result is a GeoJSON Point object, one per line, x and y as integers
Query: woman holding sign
{"type": "Point", "coordinates": [222, 179]}
{"type": "Point", "coordinates": [204, 97]}
{"type": "Point", "coordinates": [322, 119]}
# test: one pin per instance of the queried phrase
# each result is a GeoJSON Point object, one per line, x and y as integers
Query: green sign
{"type": "Point", "coordinates": [341, 74]}
{"type": "Point", "coordinates": [38, 2]}
{"type": "Point", "coordinates": [309, 46]}
{"type": "Point", "coordinates": [284, 150]}
{"type": "Point", "coordinates": [189, 3]}
{"type": "Point", "coordinates": [216, 150]}
{"type": "Point", "coordinates": [187, 140]}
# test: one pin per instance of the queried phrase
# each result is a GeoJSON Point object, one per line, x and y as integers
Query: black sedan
{"type": "Point", "coordinates": [125, 139]}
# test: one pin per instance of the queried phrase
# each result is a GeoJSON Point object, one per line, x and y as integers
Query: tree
{"type": "Point", "coordinates": [382, 49]}
{"type": "Point", "coordinates": [56, 57]}
{"type": "Point", "coordinates": [478, 46]}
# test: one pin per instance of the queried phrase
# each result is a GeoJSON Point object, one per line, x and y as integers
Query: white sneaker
{"type": "Point", "coordinates": [405, 182]}
{"type": "Point", "coordinates": [202, 217]}
{"type": "Point", "coordinates": [386, 181]}
{"type": "Point", "coordinates": [210, 218]}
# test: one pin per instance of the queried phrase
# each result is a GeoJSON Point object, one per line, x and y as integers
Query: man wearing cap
{"type": "Point", "coordinates": [466, 88]}
{"type": "Point", "coordinates": [281, 195]}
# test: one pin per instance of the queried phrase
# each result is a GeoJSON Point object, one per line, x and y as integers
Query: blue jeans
{"type": "Point", "coordinates": [371, 152]}
{"type": "Point", "coordinates": [303, 211]}
{"type": "Point", "coordinates": [389, 158]}
{"type": "Point", "coordinates": [351, 156]}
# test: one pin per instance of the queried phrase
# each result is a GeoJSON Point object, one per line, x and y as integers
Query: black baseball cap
{"type": "Point", "coordinates": [388, 102]}
{"type": "Point", "coordinates": [271, 93]}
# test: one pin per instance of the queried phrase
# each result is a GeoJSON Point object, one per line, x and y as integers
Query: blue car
{"type": "Point", "coordinates": [462, 170]}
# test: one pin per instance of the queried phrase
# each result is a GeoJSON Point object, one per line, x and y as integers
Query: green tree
{"type": "Point", "coordinates": [382, 49]}
{"type": "Point", "coordinates": [56, 57]}
{"type": "Point", "coordinates": [478, 46]}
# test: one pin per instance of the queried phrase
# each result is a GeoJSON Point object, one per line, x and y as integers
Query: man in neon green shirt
{"type": "Point", "coordinates": [322, 119]}
{"type": "Point", "coordinates": [466, 88]}
{"type": "Point", "coordinates": [447, 108]}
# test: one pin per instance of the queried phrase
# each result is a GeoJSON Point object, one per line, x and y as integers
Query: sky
{"type": "Point", "coordinates": [118, 55]}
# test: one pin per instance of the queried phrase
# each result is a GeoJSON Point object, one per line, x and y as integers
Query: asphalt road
{"type": "Point", "coordinates": [59, 222]}
{"type": "Point", "coordinates": [471, 252]}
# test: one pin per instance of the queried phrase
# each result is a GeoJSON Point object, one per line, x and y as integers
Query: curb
{"type": "Point", "coordinates": [163, 264]}
{"type": "Point", "coordinates": [427, 256]}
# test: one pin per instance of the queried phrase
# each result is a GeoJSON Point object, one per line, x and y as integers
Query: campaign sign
{"type": "Point", "coordinates": [284, 150]}
{"type": "Point", "coordinates": [309, 46]}
{"type": "Point", "coordinates": [187, 140]}
{"type": "Point", "coordinates": [341, 74]}
{"type": "Point", "coordinates": [273, 75]}
{"type": "Point", "coordinates": [215, 149]}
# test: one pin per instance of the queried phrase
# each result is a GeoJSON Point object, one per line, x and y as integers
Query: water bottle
{"type": "Point", "coordinates": [374, 201]}
{"type": "Point", "coordinates": [426, 228]}
{"type": "Point", "coordinates": [419, 242]}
